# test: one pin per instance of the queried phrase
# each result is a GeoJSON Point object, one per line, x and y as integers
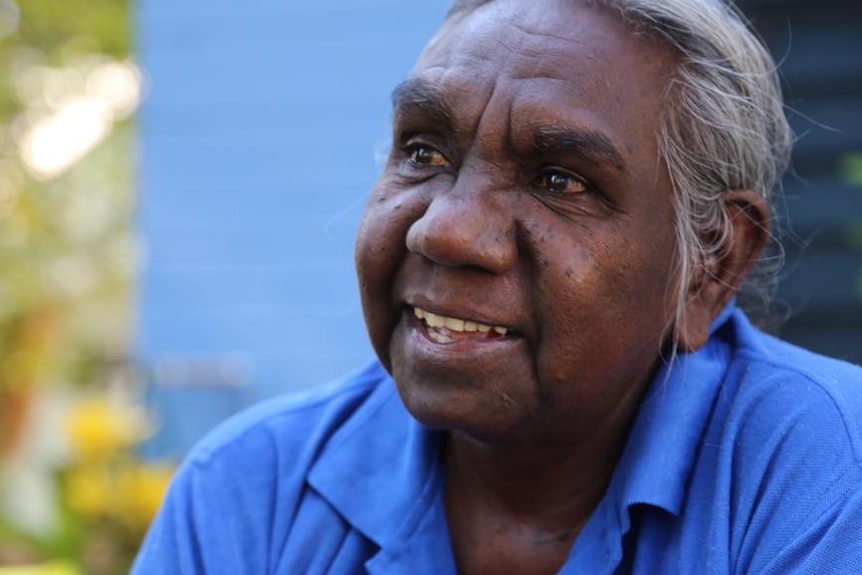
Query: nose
{"type": "Point", "coordinates": [466, 228]}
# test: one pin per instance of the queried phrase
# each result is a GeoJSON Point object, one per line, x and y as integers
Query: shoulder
{"type": "Point", "coordinates": [298, 423]}
{"type": "Point", "coordinates": [268, 449]}
{"type": "Point", "coordinates": [778, 388]}
{"type": "Point", "coordinates": [240, 502]}
{"type": "Point", "coordinates": [792, 446]}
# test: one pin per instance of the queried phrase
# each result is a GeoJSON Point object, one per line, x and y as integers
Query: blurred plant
{"type": "Point", "coordinates": [52, 568]}
{"type": "Point", "coordinates": [851, 168]}
{"type": "Point", "coordinates": [104, 495]}
{"type": "Point", "coordinates": [66, 251]}
{"type": "Point", "coordinates": [851, 171]}
{"type": "Point", "coordinates": [68, 93]}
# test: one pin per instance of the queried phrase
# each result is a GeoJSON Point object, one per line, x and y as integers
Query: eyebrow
{"type": "Point", "coordinates": [595, 146]}
{"type": "Point", "coordinates": [422, 95]}
{"type": "Point", "coordinates": [430, 99]}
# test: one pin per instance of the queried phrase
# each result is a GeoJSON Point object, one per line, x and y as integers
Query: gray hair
{"type": "Point", "coordinates": [724, 129]}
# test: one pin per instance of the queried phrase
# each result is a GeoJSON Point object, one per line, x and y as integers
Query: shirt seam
{"type": "Point", "coordinates": [852, 439]}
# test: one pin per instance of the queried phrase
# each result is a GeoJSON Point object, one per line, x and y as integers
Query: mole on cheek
{"type": "Point", "coordinates": [607, 251]}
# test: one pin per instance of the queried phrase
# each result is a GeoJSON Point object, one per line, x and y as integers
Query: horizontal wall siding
{"type": "Point", "coordinates": [261, 135]}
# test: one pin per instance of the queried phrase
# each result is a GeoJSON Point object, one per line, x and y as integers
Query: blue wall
{"type": "Point", "coordinates": [262, 133]}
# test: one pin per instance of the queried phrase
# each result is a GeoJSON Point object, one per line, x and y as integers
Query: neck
{"type": "Point", "coordinates": [519, 510]}
{"type": "Point", "coordinates": [552, 487]}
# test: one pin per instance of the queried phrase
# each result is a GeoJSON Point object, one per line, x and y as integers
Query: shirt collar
{"type": "Point", "coordinates": [663, 443]}
{"type": "Point", "coordinates": [380, 470]}
{"type": "Point", "coordinates": [660, 453]}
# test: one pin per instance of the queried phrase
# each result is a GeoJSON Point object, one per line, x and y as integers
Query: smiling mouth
{"type": "Point", "coordinates": [444, 329]}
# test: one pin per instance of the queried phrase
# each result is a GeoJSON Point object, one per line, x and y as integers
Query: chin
{"type": "Point", "coordinates": [469, 412]}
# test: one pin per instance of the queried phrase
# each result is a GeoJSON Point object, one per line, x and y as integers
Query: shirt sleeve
{"type": "Point", "coordinates": [213, 521]}
{"type": "Point", "coordinates": [241, 502]}
{"type": "Point", "coordinates": [831, 544]}
{"type": "Point", "coordinates": [796, 487]}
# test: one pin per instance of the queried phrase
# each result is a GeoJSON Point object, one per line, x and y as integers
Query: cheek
{"type": "Point", "coordinates": [603, 308]}
{"type": "Point", "coordinates": [379, 250]}
{"type": "Point", "coordinates": [380, 237]}
{"type": "Point", "coordinates": [393, 206]}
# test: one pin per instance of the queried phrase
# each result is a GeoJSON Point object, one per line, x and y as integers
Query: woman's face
{"type": "Point", "coordinates": [515, 258]}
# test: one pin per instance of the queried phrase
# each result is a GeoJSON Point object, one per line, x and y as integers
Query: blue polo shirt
{"type": "Point", "coordinates": [745, 458]}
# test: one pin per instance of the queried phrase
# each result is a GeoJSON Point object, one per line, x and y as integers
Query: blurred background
{"type": "Point", "coordinates": [179, 188]}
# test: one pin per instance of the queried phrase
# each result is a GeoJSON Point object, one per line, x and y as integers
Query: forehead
{"type": "Point", "coordinates": [551, 56]}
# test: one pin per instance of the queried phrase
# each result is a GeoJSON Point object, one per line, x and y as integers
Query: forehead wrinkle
{"type": "Point", "coordinates": [531, 45]}
{"type": "Point", "coordinates": [425, 95]}
{"type": "Point", "coordinates": [514, 22]}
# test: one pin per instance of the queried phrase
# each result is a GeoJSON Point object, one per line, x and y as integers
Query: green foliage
{"type": "Point", "coordinates": [64, 239]}
{"type": "Point", "coordinates": [67, 256]}
{"type": "Point", "coordinates": [58, 31]}
{"type": "Point", "coordinates": [852, 168]}
{"type": "Point", "coordinates": [91, 25]}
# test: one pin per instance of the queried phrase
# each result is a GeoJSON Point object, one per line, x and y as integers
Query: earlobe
{"type": "Point", "coordinates": [717, 280]}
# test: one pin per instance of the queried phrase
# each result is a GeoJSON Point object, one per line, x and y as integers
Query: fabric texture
{"type": "Point", "coordinates": [745, 458]}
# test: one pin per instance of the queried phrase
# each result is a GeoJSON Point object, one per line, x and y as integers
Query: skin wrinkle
{"type": "Point", "coordinates": [424, 96]}
{"type": "Point", "coordinates": [541, 55]}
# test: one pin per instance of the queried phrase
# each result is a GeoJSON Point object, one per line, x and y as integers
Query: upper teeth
{"type": "Point", "coordinates": [456, 324]}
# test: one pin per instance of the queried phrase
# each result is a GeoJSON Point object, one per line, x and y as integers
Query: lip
{"type": "Point", "coordinates": [438, 333]}
{"type": "Point", "coordinates": [459, 312]}
{"type": "Point", "coordinates": [462, 352]}
{"type": "Point", "coordinates": [424, 368]}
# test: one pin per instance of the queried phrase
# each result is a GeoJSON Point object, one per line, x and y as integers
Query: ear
{"type": "Point", "coordinates": [718, 278]}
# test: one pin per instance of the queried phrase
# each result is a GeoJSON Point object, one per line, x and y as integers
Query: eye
{"type": "Point", "coordinates": [425, 156]}
{"type": "Point", "coordinates": [560, 182]}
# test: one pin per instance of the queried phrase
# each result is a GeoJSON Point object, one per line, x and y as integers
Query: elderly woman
{"type": "Point", "coordinates": [576, 191]}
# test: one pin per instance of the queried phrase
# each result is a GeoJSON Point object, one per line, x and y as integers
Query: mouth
{"type": "Point", "coordinates": [445, 329]}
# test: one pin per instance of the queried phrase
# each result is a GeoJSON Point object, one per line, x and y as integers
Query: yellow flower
{"type": "Point", "coordinates": [141, 489]}
{"type": "Point", "coordinates": [53, 568]}
{"type": "Point", "coordinates": [91, 491]}
{"type": "Point", "coordinates": [99, 427]}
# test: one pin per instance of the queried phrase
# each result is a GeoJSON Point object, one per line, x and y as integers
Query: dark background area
{"type": "Point", "coordinates": [819, 48]}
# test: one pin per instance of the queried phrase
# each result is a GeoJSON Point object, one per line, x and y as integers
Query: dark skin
{"type": "Point", "coordinates": [525, 192]}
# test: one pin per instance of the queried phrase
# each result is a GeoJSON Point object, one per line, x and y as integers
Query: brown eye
{"type": "Point", "coordinates": [426, 156]}
{"type": "Point", "coordinates": [561, 183]}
